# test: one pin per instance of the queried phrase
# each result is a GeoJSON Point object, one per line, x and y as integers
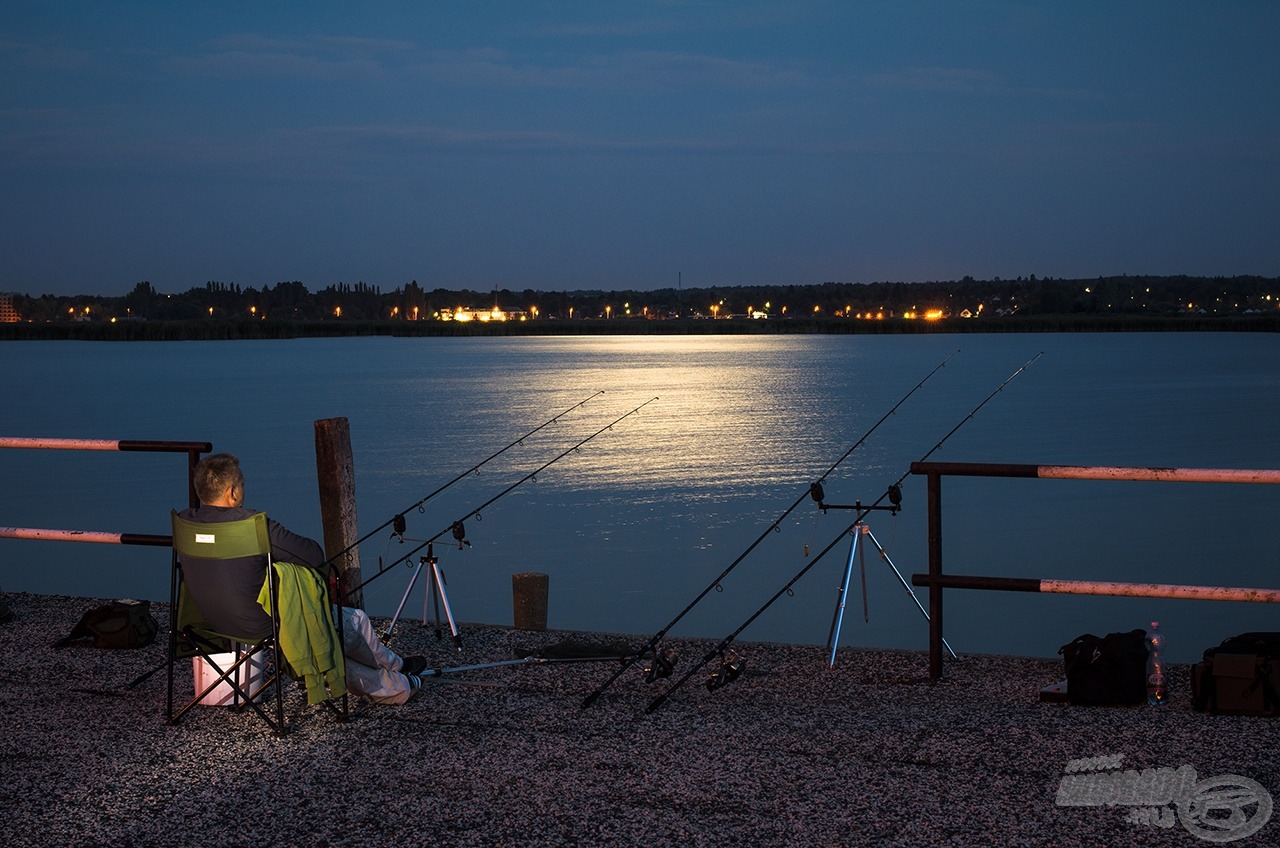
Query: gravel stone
{"type": "Point", "coordinates": [793, 753]}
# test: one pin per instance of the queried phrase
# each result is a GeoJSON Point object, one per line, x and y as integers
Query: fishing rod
{"type": "Point", "coordinates": [458, 528]}
{"type": "Point", "coordinates": [531, 660]}
{"type": "Point", "coordinates": [732, 666]}
{"type": "Point", "coordinates": [397, 520]}
{"type": "Point", "coordinates": [663, 663]}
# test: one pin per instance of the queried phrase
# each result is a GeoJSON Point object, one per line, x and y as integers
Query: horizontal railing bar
{"type": "Point", "coordinates": [104, 445]}
{"type": "Point", "coordinates": [95, 536]}
{"type": "Point", "coordinates": [1089, 587]}
{"type": "Point", "coordinates": [1100, 472]}
{"type": "Point", "coordinates": [957, 581]}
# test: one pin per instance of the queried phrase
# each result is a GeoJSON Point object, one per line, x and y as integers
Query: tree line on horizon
{"type": "Point", "coordinates": [965, 298]}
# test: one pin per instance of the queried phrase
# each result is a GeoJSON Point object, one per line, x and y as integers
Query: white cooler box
{"type": "Point", "coordinates": [249, 676]}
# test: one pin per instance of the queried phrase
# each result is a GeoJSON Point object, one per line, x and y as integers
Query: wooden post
{"type": "Point", "coordinates": [529, 593]}
{"type": "Point", "coordinates": [336, 475]}
{"type": "Point", "coordinates": [935, 572]}
{"type": "Point", "coordinates": [193, 459]}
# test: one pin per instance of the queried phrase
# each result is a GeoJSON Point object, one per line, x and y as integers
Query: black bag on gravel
{"type": "Point", "coordinates": [1239, 677]}
{"type": "Point", "coordinates": [119, 624]}
{"type": "Point", "coordinates": [1110, 670]}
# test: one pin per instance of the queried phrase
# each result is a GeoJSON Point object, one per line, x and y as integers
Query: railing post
{"type": "Point", "coordinates": [935, 572]}
{"type": "Point", "coordinates": [335, 473]}
{"type": "Point", "coordinates": [193, 459]}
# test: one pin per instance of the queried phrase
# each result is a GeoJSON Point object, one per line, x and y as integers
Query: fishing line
{"type": "Point", "coordinates": [652, 645]}
{"type": "Point", "coordinates": [729, 658]}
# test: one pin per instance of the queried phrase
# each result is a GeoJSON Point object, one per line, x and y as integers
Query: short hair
{"type": "Point", "coordinates": [215, 474]}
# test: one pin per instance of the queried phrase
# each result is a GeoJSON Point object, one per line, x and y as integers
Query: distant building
{"type": "Point", "coordinates": [483, 315]}
{"type": "Point", "coordinates": [8, 312]}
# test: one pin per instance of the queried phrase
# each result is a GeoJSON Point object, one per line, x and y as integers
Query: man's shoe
{"type": "Point", "coordinates": [413, 665]}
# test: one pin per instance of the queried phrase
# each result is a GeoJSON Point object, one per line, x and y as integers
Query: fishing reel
{"type": "Point", "coordinates": [894, 495]}
{"type": "Point", "coordinates": [660, 665]}
{"type": "Point", "coordinates": [731, 668]}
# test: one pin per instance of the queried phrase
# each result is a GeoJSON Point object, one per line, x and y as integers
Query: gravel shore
{"type": "Point", "coordinates": [792, 753]}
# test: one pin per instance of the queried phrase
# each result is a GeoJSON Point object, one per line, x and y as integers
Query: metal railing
{"type": "Point", "coordinates": [936, 581]}
{"type": "Point", "coordinates": [191, 449]}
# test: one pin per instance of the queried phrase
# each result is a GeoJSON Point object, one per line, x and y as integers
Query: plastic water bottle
{"type": "Point", "coordinates": [1156, 692]}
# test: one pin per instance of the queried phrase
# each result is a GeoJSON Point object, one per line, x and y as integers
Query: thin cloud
{"type": "Point", "coordinates": [966, 81]}
{"type": "Point", "coordinates": [634, 70]}
{"type": "Point", "coordinates": [365, 139]}
{"type": "Point", "coordinates": [371, 45]}
{"type": "Point", "coordinates": [932, 79]}
{"type": "Point", "coordinates": [329, 59]}
{"type": "Point", "coordinates": [610, 29]}
{"type": "Point", "coordinates": [44, 57]}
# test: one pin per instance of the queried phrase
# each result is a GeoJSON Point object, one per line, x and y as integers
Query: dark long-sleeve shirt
{"type": "Point", "coordinates": [226, 591]}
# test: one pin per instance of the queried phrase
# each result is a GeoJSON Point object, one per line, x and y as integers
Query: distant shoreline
{"type": "Point", "coordinates": [267, 329]}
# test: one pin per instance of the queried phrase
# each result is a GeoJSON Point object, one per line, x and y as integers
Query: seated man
{"type": "Point", "coordinates": [228, 591]}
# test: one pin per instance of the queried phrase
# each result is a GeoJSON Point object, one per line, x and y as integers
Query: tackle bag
{"type": "Point", "coordinates": [119, 624]}
{"type": "Point", "coordinates": [1239, 677]}
{"type": "Point", "coordinates": [1107, 670]}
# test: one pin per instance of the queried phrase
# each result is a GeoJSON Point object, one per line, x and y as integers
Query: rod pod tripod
{"type": "Point", "coordinates": [859, 530]}
{"type": "Point", "coordinates": [434, 591]}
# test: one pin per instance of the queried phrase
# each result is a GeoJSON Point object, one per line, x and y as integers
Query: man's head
{"type": "Point", "coordinates": [219, 481]}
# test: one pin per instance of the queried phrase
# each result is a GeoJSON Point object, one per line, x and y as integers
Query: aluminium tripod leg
{"type": "Point", "coordinates": [884, 556]}
{"type": "Point", "coordinates": [386, 637]}
{"type": "Point", "coordinates": [430, 598]}
{"type": "Point", "coordinates": [833, 639]}
{"type": "Point", "coordinates": [437, 576]}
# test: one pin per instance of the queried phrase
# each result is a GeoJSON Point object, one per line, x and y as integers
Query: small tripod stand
{"type": "Point", "coordinates": [434, 592]}
{"type": "Point", "coordinates": [859, 530]}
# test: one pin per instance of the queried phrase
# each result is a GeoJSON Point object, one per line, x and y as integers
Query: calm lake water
{"type": "Point", "coordinates": [638, 521]}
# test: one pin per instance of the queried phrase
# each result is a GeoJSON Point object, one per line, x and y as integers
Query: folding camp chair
{"type": "Point", "coordinates": [191, 636]}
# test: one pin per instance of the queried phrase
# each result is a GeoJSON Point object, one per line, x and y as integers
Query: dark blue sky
{"type": "Point", "coordinates": [616, 145]}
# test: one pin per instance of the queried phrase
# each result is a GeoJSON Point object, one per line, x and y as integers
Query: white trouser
{"type": "Point", "coordinates": [373, 670]}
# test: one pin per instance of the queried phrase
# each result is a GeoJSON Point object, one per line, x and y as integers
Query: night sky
{"type": "Point", "coordinates": [590, 145]}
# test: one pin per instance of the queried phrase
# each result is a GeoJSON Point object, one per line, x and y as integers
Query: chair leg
{"type": "Point", "coordinates": [243, 695]}
{"type": "Point", "coordinates": [174, 577]}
